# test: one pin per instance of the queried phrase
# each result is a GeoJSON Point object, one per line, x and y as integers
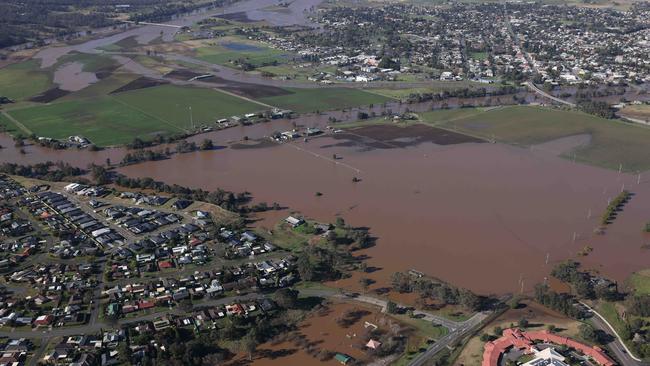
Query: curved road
{"type": "Point", "coordinates": [544, 94]}
{"type": "Point", "coordinates": [617, 345]}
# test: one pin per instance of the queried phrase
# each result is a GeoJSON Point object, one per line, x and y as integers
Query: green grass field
{"type": "Point", "coordinates": [6, 125]}
{"type": "Point", "coordinates": [324, 99]}
{"type": "Point", "coordinates": [640, 282]}
{"type": "Point", "coordinates": [103, 120]}
{"type": "Point", "coordinates": [171, 103]}
{"type": "Point", "coordinates": [479, 55]}
{"type": "Point", "coordinates": [114, 120]}
{"type": "Point", "coordinates": [612, 142]}
{"type": "Point", "coordinates": [255, 53]}
{"type": "Point", "coordinates": [435, 86]}
{"type": "Point", "coordinates": [23, 80]}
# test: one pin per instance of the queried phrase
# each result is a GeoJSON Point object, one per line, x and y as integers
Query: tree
{"type": "Point", "coordinates": [248, 344]}
{"type": "Point", "coordinates": [365, 283]}
{"type": "Point", "coordinates": [523, 323]}
{"type": "Point", "coordinates": [305, 267]}
{"type": "Point", "coordinates": [391, 307]}
{"type": "Point", "coordinates": [286, 298]}
{"type": "Point", "coordinates": [401, 282]}
{"type": "Point", "coordinates": [551, 328]}
{"type": "Point", "coordinates": [207, 144]}
{"type": "Point", "coordinates": [340, 222]}
{"type": "Point", "coordinates": [587, 333]}
{"type": "Point", "coordinates": [124, 353]}
{"type": "Point", "coordinates": [514, 302]}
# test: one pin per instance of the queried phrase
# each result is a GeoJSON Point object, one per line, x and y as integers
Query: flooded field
{"type": "Point", "coordinates": [479, 215]}
{"type": "Point", "coordinates": [253, 9]}
{"type": "Point", "coordinates": [325, 330]}
{"type": "Point", "coordinates": [71, 77]}
{"type": "Point", "coordinates": [483, 216]}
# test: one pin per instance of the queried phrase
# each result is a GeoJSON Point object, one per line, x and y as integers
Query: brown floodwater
{"type": "Point", "coordinates": [71, 77]}
{"type": "Point", "coordinates": [488, 217]}
{"type": "Point", "coordinates": [321, 331]}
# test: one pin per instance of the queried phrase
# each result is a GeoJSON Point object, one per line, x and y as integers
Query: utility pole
{"type": "Point", "coordinates": [191, 119]}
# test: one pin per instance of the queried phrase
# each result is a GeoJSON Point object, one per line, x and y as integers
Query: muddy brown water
{"type": "Point", "coordinates": [482, 216]}
{"type": "Point", "coordinates": [71, 77]}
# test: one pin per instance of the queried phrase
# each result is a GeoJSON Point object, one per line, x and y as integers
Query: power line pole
{"type": "Point", "coordinates": [191, 119]}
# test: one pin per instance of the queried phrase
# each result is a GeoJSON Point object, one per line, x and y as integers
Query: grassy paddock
{"type": "Point", "coordinates": [640, 282]}
{"type": "Point", "coordinates": [23, 80]}
{"type": "Point", "coordinates": [230, 49]}
{"type": "Point", "coordinates": [114, 120]}
{"type": "Point", "coordinates": [323, 99]}
{"type": "Point", "coordinates": [613, 142]}
{"type": "Point", "coordinates": [103, 120]}
{"type": "Point", "coordinates": [433, 87]}
{"type": "Point", "coordinates": [171, 103]}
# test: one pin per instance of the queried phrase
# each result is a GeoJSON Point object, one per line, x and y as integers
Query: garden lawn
{"type": "Point", "coordinates": [324, 99]}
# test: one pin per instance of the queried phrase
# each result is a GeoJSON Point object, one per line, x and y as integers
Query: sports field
{"type": "Point", "coordinates": [612, 142]}
{"type": "Point", "coordinates": [23, 80]}
{"type": "Point", "coordinates": [229, 50]}
{"type": "Point", "coordinates": [114, 120]}
{"type": "Point", "coordinates": [324, 99]}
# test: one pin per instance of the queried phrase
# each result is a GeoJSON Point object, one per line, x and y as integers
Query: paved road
{"type": "Point", "coordinates": [99, 325]}
{"type": "Point", "coordinates": [539, 91]}
{"type": "Point", "coordinates": [457, 330]}
{"type": "Point", "coordinates": [465, 329]}
{"type": "Point", "coordinates": [620, 350]}
{"type": "Point", "coordinates": [436, 319]}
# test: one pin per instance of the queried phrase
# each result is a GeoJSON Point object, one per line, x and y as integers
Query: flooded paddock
{"type": "Point", "coordinates": [71, 77]}
{"type": "Point", "coordinates": [488, 217]}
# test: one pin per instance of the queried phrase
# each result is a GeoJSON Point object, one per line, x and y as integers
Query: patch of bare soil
{"type": "Point", "coordinates": [247, 90]}
{"type": "Point", "coordinates": [139, 83]}
{"type": "Point", "coordinates": [49, 95]}
{"type": "Point", "coordinates": [237, 17]}
{"type": "Point", "coordinates": [182, 74]}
